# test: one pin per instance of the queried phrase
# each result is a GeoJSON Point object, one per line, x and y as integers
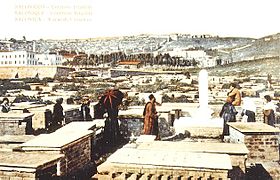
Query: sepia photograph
{"type": "Point", "coordinates": [139, 90]}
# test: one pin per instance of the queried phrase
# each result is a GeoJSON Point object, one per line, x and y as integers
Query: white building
{"type": "Point", "coordinates": [208, 61]}
{"type": "Point", "coordinates": [17, 58]}
{"type": "Point", "coordinates": [201, 56]}
{"type": "Point", "coordinates": [49, 59]}
{"type": "Point", "coordinates": [196, 54]}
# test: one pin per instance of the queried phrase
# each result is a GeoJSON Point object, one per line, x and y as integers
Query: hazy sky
{"type": "Point", "coordinates": [94, 18]}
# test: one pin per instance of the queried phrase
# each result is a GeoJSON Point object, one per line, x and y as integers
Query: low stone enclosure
{"type": "Point", "coordinates": [262, 142]}
{"type": "Point", "coordinates": [64, 153]}
{"type": "Point", "coordinates": [175, 160]}
{"type": "Point", "coordinates": [252, 153]}
{"type": "Point", "coordinates": [16, 124]}
{"type": "Point", "coordinates": [69, 152]}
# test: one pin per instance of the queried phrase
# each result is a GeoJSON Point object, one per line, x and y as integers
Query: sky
{"type": "Point", "coordinates": [61, 19]}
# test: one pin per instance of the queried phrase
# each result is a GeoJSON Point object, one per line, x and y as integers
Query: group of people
{"type": "Point", "coordinates": [151, 126]}
{"type": "Point", "coordinates": [248, 109]}
{"type": "Point", "coordinates": [58, 116]}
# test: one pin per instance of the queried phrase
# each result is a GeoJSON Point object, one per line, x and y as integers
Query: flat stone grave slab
{"type": "Point", "coordinates": [16, 160]}
{"type": "Point", "coordinates": [61, 137]}
{"type": "Point", "coordinates": [254, 127]}
{"type": "Point", "coordinates": [170, 159]}
{"type": "Point", "coordinates": [9, 142]}
{"type": "Point", "coordinates": [15, 138]}
{"type": "Point", "coordinates": [219, 148]}
{"type": "Point", "coordinates": [14, 116]}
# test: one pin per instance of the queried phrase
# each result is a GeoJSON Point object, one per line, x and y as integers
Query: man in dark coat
{"type": "Point", "coordinates": [58, 116]}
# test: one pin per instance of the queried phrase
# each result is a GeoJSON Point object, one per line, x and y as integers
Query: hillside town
{"type": "Point", "coordinates": [175, 106]}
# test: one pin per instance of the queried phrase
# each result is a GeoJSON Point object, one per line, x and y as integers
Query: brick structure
{"type": "Point", "coordinates": [28, 166]}
{"type": "Point", "coordinates": [73, 141]}
{"type": "Point", "coordinates": [152, 161]}
{"type": "Point", "coordinates": [143, 164]}
{"type": "Point", "coordinates": [261, 140]}
{"type": "Point", "coordinates": [237, 152]}
{"type": "Point", "coordinates": [16, 123]}
{"type": "Point", "coordinates": [139, 172]}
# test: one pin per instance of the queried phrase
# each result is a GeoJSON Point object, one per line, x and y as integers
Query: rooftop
{"type": "Point", "coordinates": [129, 62]}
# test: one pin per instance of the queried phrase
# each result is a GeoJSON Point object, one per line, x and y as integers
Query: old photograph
{"type": "Point", "coordinates": [139, 90]}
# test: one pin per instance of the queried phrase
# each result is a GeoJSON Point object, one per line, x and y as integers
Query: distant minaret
{"type": "Point", "coordinates": [34, 46]}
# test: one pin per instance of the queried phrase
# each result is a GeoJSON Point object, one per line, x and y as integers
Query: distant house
{"type": "Point", "coordinates": [49, 59]}
{"type": "Point", "coordinates": [68, 57]}
{"type": "Point", "coordinates": [17, 58]}
{"type": "Point", "coordinates": [130, 64]}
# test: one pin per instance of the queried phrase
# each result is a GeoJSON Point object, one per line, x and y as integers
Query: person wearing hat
{"type": "Point", "coordinates": [58, 116]}
{"type": "Point", "coordinates": [5, 105]}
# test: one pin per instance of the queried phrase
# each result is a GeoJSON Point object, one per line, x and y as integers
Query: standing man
{"type": "Point", "coordinates": [58, 116]}
{"type": "Point", "coordinates": [151, 118]}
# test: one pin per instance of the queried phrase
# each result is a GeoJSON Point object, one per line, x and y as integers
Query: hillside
{"type": "Point", "coordinates": [268, 46]}
{"type": "Point", "coordinates": [260, 67]}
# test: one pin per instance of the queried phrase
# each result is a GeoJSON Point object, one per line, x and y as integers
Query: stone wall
{"type": "Point", "coordinates": [209, 132]}
{"type": "Point", "coordinates": [73, 114]}
{"type": "Point", "coordinates": [123, 72]}
{"type": "Point", "coordinates": [134, 126]}
{"type": "Point", "coordinates": [138, 172]}
{"type": "Point", "coordinates": [77, 156]}
{"type": "Point", "coordinates": [261, 140]}
{"type": "Point", "coordinates": [236, 136]}
{"type": "Point", "coordinates": [8, 72]}
{"type": "Point", "coordinates": [74, 142]}
{"type": "Point", "coordinates": [262, 147]}
{"type": "Point", "coordinates": [17, 175]}
{"type": "Point", "coordinates": [16, 126]}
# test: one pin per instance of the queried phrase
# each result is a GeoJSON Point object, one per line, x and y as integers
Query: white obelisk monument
{"type": "Point", "coordinates": [201, 118]}
{"type": "Point", "coordinates": [203, 111]}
